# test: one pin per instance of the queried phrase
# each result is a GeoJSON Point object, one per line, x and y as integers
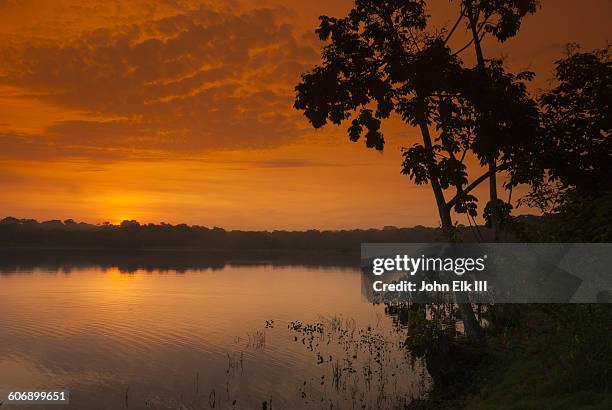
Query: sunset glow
{"type": "Point", "coordinates": [182, 112]}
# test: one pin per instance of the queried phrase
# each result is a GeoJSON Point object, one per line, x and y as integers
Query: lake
{"type": "Point", "coordinates": [246, 335]}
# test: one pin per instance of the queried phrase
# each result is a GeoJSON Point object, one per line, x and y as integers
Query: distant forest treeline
{"type": "Point", "coordinates": [131, 234]}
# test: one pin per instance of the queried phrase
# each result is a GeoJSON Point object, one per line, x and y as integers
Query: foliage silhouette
{"type": "Point", "coordinates": [381, 59]}
{"type": "Point", "coordinates": [131, 234]}
{"type": "Point", "coordinates": [567, 165]}
{"type": "Point", "coordinates": [502, 19]}
{"type": "Point", "coordinates": [574, 148]}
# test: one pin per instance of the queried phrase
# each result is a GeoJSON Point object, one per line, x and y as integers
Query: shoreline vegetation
{"type": "Point", "coordinates": [531, 356]}
{"type": "Point", "coordinates": [68, 234]}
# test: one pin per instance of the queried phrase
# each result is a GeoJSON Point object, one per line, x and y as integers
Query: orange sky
{"type": "Point", "coordinates": [180, 111]}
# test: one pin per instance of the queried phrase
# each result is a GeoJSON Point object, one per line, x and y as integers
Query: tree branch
{"type": "Point", "coordinates": [463, 155]}
{"type": "Point", "coordinates": [464, 47]}
{"type": "Point", "coordinates": [475, 183]}
{"type": "Point", "coordinates": [414, 40]}
{"type": "Point", "coordinates": [452, 31]}
{"type": "Point", "coordinates": [478, 30]}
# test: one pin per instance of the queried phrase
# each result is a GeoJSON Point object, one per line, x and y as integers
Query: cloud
{"type": "Point", "coordinates": [189, 82]}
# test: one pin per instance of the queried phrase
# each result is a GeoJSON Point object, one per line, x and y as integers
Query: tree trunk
{"type": "Point", "coordinates": [493, 199]}
{"type": "Point", "coordinates": [473, 331]}
{"type": "Point", "coordinates": [492, 163]}
{"type": "Point", "coordinates": [443, 208]}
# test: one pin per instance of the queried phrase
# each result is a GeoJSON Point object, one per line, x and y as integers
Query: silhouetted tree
{"type": "Point", "coordinates": [577, 122]}
{"type": "Point", "coordinates": [570, 160]}
{"type": "Point", "coordinates": [380, 59]}
{"type": "Point", "coordinates": [502, 19]}
{"type": "Point", "coordinates": [129, 224]}
{"type": "Point", "coordinates": [131, 234]}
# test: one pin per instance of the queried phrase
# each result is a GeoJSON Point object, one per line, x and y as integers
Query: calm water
{"type": "Point", "coordinates": [168, 339]}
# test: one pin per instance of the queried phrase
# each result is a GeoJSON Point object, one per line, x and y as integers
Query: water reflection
{"type": "Point", "coordinates": [163, 260]}
{"type": "Point", "coordinates": [189, 333]}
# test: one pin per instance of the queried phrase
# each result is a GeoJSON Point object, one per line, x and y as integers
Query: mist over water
{"type": "Point", "coordinates": [225, 336]}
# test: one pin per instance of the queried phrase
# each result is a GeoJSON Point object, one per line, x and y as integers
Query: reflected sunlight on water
{"type": "Point", "coordinates": [151, 339]}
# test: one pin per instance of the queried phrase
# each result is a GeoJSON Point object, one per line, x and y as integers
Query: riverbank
{"type": "Point", "coordinates": [535, 357]}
